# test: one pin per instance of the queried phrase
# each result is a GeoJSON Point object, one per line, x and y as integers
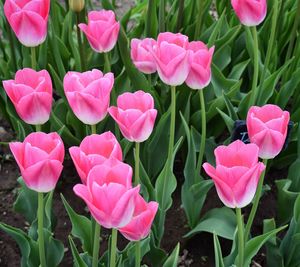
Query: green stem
{"type": "Point", "coordinates": [172, 125]}
{"type": "Point", "coordinates": [161, 16]}
{"type": "Point", "coordinates": [94, 128]}
{"type": "Point", "coordinates": [254, 88]}
{"type": "Point", "coordinates": [241, 242]}
{"type": "Point", "coordinates": [149, 18]}
{"type": "Point", "coordinates": [38, 128]}
{"type": "Point", "coordinates": [33, 58]}
{"type": "Point", "coordinates": [80, 44]}
{"type": "Point", "coordinates": [199, 18]}
{"type": "Point", "coordinates": [41, 229]}
{"type": "Point", "coordinates": [107, 67]}
{"type": "Point", "coordinates": [270, 44]}
{"type": "Point", "coordinates": [203, 133]}
{"type": "Point", "coordinates": [138, 254]}
{"type": "Point", "coordinates": [96, 245]}
{"type": "Point", "coordinates": [12, 47]}
{"type": "Point", "coordinates": [137, 163]}
{"type": "Point", "coordinates": [180, 15]}
{"type": "Point", "coordinates": [113, 248]}
{"type": "Point", "coordinates": [255, 202]}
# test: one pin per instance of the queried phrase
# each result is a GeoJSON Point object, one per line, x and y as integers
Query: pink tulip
{"type": "Point", "coordinates": [236, 174]}
{"type": "Point", "coordinates": [267, 128]}
{"type": "Point", "coordinates": [141, 55]}
{"type": "Point", "coordinates": [250, 12]}
{"type": "Point", "coordinates": [31, 94]}
{"type": "Point", "coordinates": [39, 157]}
{"type": "Point", "coordinates": [102, 30]}
{"type": "Point", "coordinates": [28, 19]}
{"type": "Point", "coordinates": [135, 115]}
{"type": "Point", "coordinates": [172, 58]}
{"type": "Point", "coordinates": [88, 94]}
{"type": "Point", "coordinates": [200, 73]}
{"type": "Point", "coordinates": [94, 150]}
{"type": "Point", "coordinates": [140, 225]}
{"type": "Point", "coordinates": [108, 194]}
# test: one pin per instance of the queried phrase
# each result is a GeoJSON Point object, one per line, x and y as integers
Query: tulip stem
{"type": "Point", "coordinates": [96, 244]}
{"type": "Point", "coordinates": [38, 128]}
{"type": "Point", "coordinates": [241, 242]}
{"type": "Point", "coordinates": [256, 68]}
{"type": "Point", "coordinates": [199, 18]}
{"type": "Point", "coordinates": [12, 48]}
{"type": "Point", "coordinates": [33, 58]}
{"type": "Point", "coordinates": [270, 44]}
{"type": "Point", "coordinates": [94, 128]}
{"type": "Point", "coordinates": [256, 201]}
{"type": "Point", "coordinates": [41, 229]}
{"type": "Point", "coordinates": [107, 67]}
{"type": "Point", "coordinates": [172, 125]}
{"type": "Point", "coordinates": [137, 163]}
{"type": "Point", "coordinates": [203, 133]}
{"type": "Point", "coordinates": [80, 44]}
{"type": "Point", "coordinates": [113, 248]}
{"type": "Point", "coordinates": [137, 254]}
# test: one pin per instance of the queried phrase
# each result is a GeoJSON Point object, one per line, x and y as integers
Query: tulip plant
{"type": "Point", "coordinates": [197, 97]}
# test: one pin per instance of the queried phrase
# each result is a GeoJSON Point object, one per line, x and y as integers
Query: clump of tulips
{"type": "Point", "coordinates": [126, 133]}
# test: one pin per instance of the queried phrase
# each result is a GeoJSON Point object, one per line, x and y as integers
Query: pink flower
{"type": "Point", "coordinates": [267, 128]}
{"type": "Point", "coordinates": [135, 115]}
{"type": "Point", "coordinates": [31, 94]}
{"type": "Point", "coordinates": [141, 55]}
{"type": "Point", "coordinates": [28, 19]}
{"type": "Point", "coordinates": [108, 193]}
{"type": "Point", "coordinates": [94, 150]}
{"type": "Point", "coordinates": [200, 73]}
{"type": "Point", "coordinates": [172, 58]}
{"type": "Point", "coordinates": [88, 94]}
{"type": "Point", "coordinates": [39, 157]}
{"type": "Point", "coordinates": [236, 174]}
{"type": "Point", "coordinates": [102, 30]}
{"type": "Point", "coordinates": [250, 12]}
{"type": "Point", "coordinates": [140, 225]}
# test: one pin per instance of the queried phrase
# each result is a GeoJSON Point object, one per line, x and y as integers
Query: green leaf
{"type": "Point", "coordinates": [78, 261]}
{"type": "Point", "coordinates": [218, 252]}
{"type": "Point", "coordinates": [172, 260]}
{"type": "Point", "coordinates": [81, 227]}
{"type": "Point", "coordinates": [54, 249]}
{"type": "Point", "coordinates": [219, 220]}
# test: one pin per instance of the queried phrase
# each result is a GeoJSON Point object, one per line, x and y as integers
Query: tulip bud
{"type": "Point", "coordinates": [76, 5]}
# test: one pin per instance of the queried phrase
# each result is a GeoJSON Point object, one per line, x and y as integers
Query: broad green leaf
{"type": "Point", "coordinates": [172, 260]}
{"type": "Point", "coordinates": [78, 261]}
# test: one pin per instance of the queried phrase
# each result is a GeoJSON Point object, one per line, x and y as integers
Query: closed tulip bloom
{"type": "Point", "coordinates": [140, 225]}
{"type": "Point", "coordinates": [172, 58]}
{"type": "Point", "coordinates": [39, 157]}
{"type": "Point", "coordinates": [141, 55]}
{"type": "Point", "coordinates": [200, 72]}
{"type": "Point", "coordinates": [250, 12]}
{"type": "Point", "coordinates": [102, 30]}
{"type": "Point", "coordinates": [108, 194]}
{"type": "Point", "coordinates": [236, 174]}
{"type": "Point", "coordinates": [135, 115]}
{"type": "Point", "coordinates": [267, 128]}
{"type": "Point", "coordinates": [31, 94]}
{"type": "Point", "coordinates": [88, 94]}
{"type": "Point", "coordinates": [94, 150]}
{"type": "Point", "coordinates": [28, 19]}
{"type": "Point", "coordinates": [76, 5]}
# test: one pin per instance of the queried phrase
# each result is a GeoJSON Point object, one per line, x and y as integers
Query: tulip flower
{"type": "Point", "coordinates": [31, 94]}
{"type": "Point", "coordinates": [140, 225]}
{"type": "Point", "coordinates": [141, 55]}
{"type": "Point", "coordinates": [135, 115]}
{"type": "Point", "coordinates": [200, 72]}
{"type": "Point", "coordinates": [236, 174]}
{"type": "Point", "coordinates": [250, 12]}
{"type": "Point", "coordinates": [172, 58]}
{"type": "Point", "coordinates": [39, 157]}
{"type": "Point", "coordinates": [102, 30]}
{"type": "Point", "coordinates": [28, 19]}
{"type": "Point", "coordinates": [267, 128]}
{"type": "Point", "coordinates": [108, 194]}
{"type": "Point", "coordinates": [88, 94]}
{"type": "Point", "coordinates": [76, 5]}
{"type": "Point", "coordinates": [94, 150]}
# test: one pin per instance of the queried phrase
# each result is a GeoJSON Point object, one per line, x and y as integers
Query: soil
{"type": "Point", "coordinates": [197, 251]}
